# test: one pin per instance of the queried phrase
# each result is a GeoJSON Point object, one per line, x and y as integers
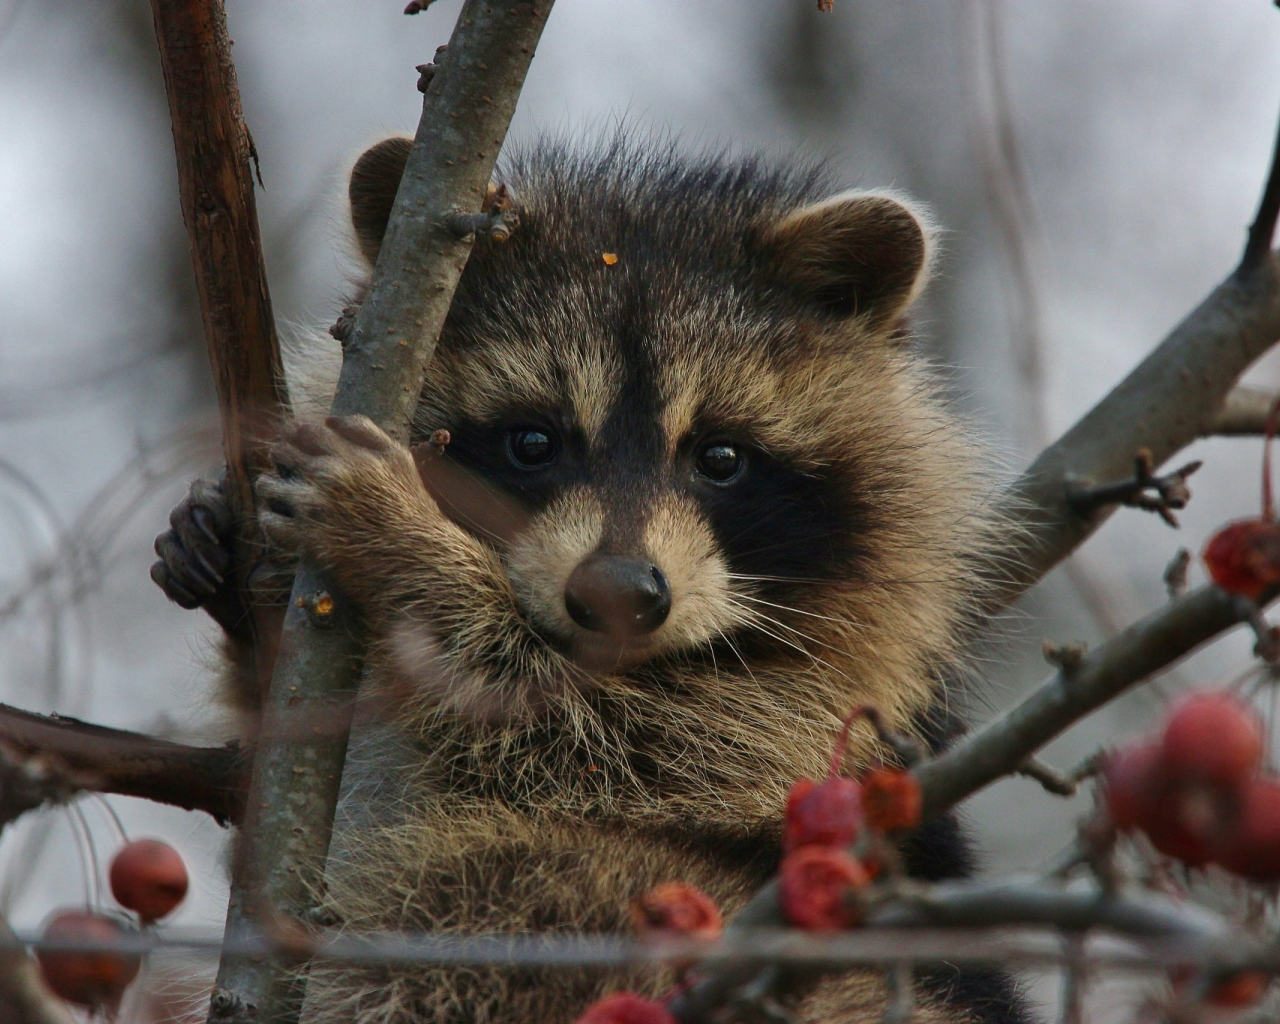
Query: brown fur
{"type": "Point", "coordinates": [547, 775]}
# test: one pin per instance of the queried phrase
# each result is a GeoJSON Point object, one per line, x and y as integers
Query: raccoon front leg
{"type": "Point", "coordinates": [354, 500]}
{"type": "Point", "coordinates": [198, 568]}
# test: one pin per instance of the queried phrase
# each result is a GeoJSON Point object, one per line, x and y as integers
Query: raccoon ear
{"type": "Point", "coordinates": [372, 190]}
{"type": "Point", "coordinates": [853, 254]}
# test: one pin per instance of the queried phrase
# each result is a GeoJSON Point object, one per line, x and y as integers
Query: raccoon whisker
{"type": "Point", "coordinates": [865, 584]}
{"type": "Point", "coordinates": [738, 654]}
{"type": "Point", "coordinates": [759, 617]}
{"type": "Point", "coordinates": [797, 611]}
{"type": "Point", "coordinates": [754, 615]}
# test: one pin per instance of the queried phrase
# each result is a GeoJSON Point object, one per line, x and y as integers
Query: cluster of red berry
{"type": "Point", "coordinates": [1197, 790]}
{"type": "Point", "coordinates": [819, 873]}
{"type": "Point", "coordinates": [148, 878]}
{"type": "Point", "coordinates": [823, 821]}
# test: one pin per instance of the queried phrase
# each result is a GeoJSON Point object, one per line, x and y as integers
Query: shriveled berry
{"type": "Point", "coordinates": [826, 813]}
{"type": "Point", "coordinates": [1251, 847]}
{"type": "Point", "coordinates": [674, 908]}
{"type": "Point", "coordinates": [149, 878]}
{"type": "Point", "coordinates": [93, 979]}
{"type": "Point", "coordinates": [891, 800]}
{"type": "Point", "coordinates": [1244, 557]}
{"type": "Point", "coordinates": [625, 1008]}
{"type": "Point", "coordinates": [814, 886]}
{"type": "Point", "coordinates": [1212, 737]}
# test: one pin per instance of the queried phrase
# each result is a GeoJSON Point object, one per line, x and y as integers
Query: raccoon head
{"type": "Point", "coordinates": [691, 422]}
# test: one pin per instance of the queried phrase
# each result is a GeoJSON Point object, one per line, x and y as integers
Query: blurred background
{"type": "Point", "coordinates": [1094, 164]}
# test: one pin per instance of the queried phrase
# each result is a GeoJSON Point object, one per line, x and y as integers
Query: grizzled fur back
{"type": "Point", "coordinates": [699, 497]}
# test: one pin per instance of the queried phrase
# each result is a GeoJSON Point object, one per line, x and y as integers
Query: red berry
{"type": "Point", "coordinates": [149, 878]}
{"type": "Point", "coordinates": [1245, 988]}
{"type": "Point", "coordinates": [91, 979]}
{"type": "Point", "coordinates": [625, 1008]}
{"type": "Point", "coordinates": [1130, 783]}
{"type": "Point", "coordinates": [891, 800]}
{"type": "Point", "coordinates": [826, 813]}
{"type": "Point", "coordinates": [1187, 821]}
{"type": "Point", "coordinates": [1242, 989]}
{"type": "Point", "coordinates": [1182, 819]}
{"type": "Point", "coordinates": [1251, 847]}
{"type": "Point", "coordinates": [1244, 557]}
{"type": "Point", "coordinates": [679, 909]}
{"type": "Point", "coordinates": [1212, 737]}
{"type": "Point", "coordinates": [814, 886]}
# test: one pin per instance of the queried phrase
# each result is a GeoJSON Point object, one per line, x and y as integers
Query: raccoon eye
{"type": "Point", "coordinates": [530, 448]}
{"type": "Point", "coordinates": [720, 462]}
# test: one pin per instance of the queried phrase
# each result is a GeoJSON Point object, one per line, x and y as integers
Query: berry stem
{"type": "Point", "coordinates": [842, 740]}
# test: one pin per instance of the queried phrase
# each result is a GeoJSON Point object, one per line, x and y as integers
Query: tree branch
{"type": "Point", "coordinates": [1244, 412]}
{"type": "Point", "coordinates": [1169, 400]}
{"type": "Point", "coordinates": [289, 816]}
{"type": "Point", "coordinates": [215, 186]}
{"type": "Point", "coordinates": [1003, 747]}
{"type": "Point", "coordinates": [210, 779]}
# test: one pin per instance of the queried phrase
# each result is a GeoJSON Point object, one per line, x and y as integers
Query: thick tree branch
{"type": "Point", "coordinates": [1169, 400]}
{"type": "Point", "coordinates": [210, 779]}
{"type": "Point", "coordinates": [215, 185]}
{"type": "Point", "coordinates": [466, 111]}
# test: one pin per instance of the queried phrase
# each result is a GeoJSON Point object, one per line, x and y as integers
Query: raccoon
{"type": "Point", "coordinates": [698, 497]}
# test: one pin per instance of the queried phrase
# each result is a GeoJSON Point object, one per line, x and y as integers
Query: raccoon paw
{"type": "Point", "coordinates": [195, 552]}
{"type": "Point", "coordinates": [334, 481]}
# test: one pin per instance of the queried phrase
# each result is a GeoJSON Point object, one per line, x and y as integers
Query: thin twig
{"type": "Point", "coordinates": [1262, 230]}
{"type": "Point", "coordinates": [1171, 490]}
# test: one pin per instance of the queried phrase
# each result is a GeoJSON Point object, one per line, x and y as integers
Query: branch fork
{"type": "Point", "coordinates": [1170, 490]}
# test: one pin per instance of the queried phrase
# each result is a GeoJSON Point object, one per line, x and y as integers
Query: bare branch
{"type": "Point", "coordinates": [215, 184]}
{"type": "Point", "coordinates": [210, 779]}
{"type": "Point", "coordinates": [1171, 490]}
{"type": "Point", "coordinates": [1244, 412]}
{"type": "Point", "coordinates": [467, 108]}
{"type": "Point", "coordinates": [1168, 401]}
{"type": "Point", "coordinates": [1073, 692]}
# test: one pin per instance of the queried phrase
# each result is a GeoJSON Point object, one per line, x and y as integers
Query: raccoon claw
{"type": "Point", "coordinates": [194, 551]}
{"type": "Point", "coordinates": [318, 466]}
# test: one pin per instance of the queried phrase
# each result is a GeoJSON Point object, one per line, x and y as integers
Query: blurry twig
{"type": "Point", "coordinates": [23, 996]}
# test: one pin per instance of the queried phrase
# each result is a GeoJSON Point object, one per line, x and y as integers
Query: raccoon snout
{"type": "Point", "coordinates": [622, 596]}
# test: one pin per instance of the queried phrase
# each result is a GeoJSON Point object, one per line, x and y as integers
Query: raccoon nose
{"type": "Point", "coordinates": [609, 594]}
